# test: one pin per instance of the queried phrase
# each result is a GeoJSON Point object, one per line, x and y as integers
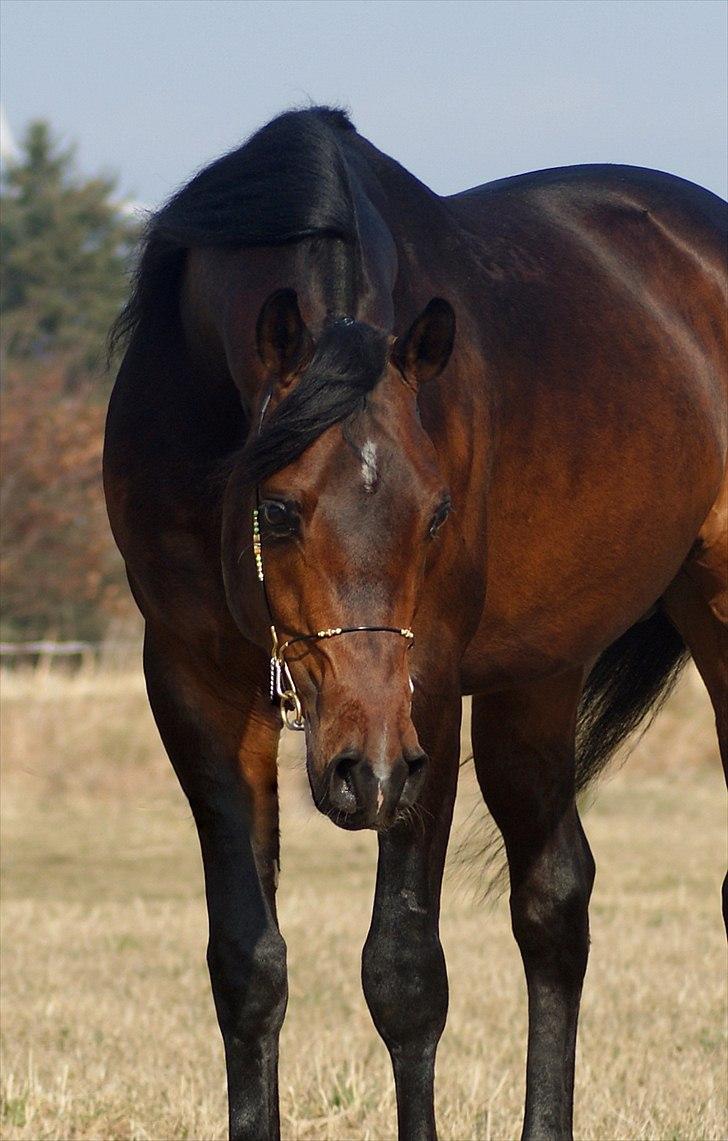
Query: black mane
{"type": "Point", "coordinates": [350, 358]}
{"type": "Point", "coordinates": [289, 181]}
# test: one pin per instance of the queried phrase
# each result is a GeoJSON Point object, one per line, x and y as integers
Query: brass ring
{"type": "Point", "coordinates": [291, 711]}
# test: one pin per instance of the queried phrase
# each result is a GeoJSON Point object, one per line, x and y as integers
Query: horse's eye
{"type": "Point", "coordinates": [440, 516]}
{"type": "Point", "coordinates": [280, 519]}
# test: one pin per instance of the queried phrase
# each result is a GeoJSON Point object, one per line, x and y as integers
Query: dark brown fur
{"type": "Point", "coordinates": [579, 429]}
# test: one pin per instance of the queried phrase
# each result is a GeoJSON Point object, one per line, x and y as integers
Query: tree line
{"type": "Point", "coordinates": [67, 246]}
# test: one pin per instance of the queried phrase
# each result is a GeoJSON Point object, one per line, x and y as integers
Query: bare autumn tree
{"type": "Point", "coordinates": [60, 570]}
{"type": "Point", "coordinates": [65, 248]}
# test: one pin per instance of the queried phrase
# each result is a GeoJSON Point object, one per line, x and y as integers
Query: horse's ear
{"type": "Point", "coordinates": [284, 343]}
{"type": "Point", "coordinates": [422, 353]}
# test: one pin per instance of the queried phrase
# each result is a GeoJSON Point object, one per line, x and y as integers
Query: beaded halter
{"type": "Point", "coordinates": [282, 686]}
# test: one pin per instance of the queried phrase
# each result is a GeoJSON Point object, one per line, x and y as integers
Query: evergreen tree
{"type": "Point", "coordinates": [66, 247]}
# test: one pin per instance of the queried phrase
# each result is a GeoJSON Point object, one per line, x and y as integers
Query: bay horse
{"type": "Point", "coordinates": [371, 449]}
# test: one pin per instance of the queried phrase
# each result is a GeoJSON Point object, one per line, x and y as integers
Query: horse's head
{"type": "Point", "coordinates": [345, 502]}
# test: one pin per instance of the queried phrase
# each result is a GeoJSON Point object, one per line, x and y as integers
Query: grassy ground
{"type": "Point", "coordinates": [108, 1027]}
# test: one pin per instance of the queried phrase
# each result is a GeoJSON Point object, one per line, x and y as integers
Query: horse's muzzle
{"type": "Point", "coordinates": [356, 794]}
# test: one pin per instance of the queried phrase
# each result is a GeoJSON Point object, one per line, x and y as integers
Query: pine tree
{"type": "Point", "coordinates": [66, 247]}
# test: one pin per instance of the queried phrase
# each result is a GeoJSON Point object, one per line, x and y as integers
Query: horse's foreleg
{"type": "Point", "coordinates": [403, 967]}
{"type": "Point", "coordinates": [247, 963]}
{"type": "Point", "coordinates": [524, 754]}
{"type": "Point", "coordinates": [224, 753]}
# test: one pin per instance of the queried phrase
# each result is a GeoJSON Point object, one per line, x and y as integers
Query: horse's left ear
{"type": "Point", "coordinates": [422, 353]}
{"type": "Point", "coordinates": [284, 343]}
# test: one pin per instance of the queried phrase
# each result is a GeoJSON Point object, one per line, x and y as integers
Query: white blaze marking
{"type": "Point", "coordinates": [380, 797]}
{"type": "Point", "coordinates": [369, 465]}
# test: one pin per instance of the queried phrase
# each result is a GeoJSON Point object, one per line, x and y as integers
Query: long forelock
{"type": "Point", "coordinates": [349, 361]}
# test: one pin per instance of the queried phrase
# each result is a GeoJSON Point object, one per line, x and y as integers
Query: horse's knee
{"type": "Point", "coordinates": [405, 986]}
{"type": "Point", "coordinates": [249, 983]}
{"type": "Point", "coordinates": [549, 913]}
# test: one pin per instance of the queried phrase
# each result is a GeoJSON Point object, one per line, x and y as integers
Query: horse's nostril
{"type": "Point", "coordinates": [356, 792]}
{"type": "Point", "coordinates": [341, 784]}
{"type": "Point", "coordinates": [416, 764]}
{"type": "Point", "coordinates": [343, 767]}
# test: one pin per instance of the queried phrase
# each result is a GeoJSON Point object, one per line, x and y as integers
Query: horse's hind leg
{"type": "Point", "coordinates": [523, 742]}
{"type": "Point", "coordinates": [224, 752]}
{"type": "Point", "coordinates": [697, 604]}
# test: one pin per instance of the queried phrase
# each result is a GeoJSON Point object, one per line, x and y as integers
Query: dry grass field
{"type": "Point", "coordinates": [107, 1021]}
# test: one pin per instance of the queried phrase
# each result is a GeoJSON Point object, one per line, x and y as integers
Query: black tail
{"type": "Point", "coordinates": [629, 684]}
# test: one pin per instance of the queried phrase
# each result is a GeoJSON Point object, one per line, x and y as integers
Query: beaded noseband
{"type": "Point", "coordinates": [282, 685]}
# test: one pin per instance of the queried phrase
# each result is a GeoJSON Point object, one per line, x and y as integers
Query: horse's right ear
{"type": "Point", "coordinates": [284, 343]}
{"type": "Point", "coordinates": [422, 353]}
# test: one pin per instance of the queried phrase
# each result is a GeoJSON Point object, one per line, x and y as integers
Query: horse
{"type": "Point", "coordinates": [370, 450]}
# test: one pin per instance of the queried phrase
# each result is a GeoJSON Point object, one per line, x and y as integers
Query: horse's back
{"type": "Point", "coordinates": [592, 186]}
{"type": "Point", "coordinates": [602, 295]}
{"type": "Point", "coordinates": [624, 232]}
{"type": "Point", "coordinates": [602, 257]}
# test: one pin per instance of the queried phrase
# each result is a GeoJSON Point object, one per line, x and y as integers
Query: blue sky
{"type": "Point", "coordinates": [460, 91]}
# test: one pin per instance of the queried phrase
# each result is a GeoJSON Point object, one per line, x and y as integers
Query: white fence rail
{"type": "Point", "coordinates": [47, 649]}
